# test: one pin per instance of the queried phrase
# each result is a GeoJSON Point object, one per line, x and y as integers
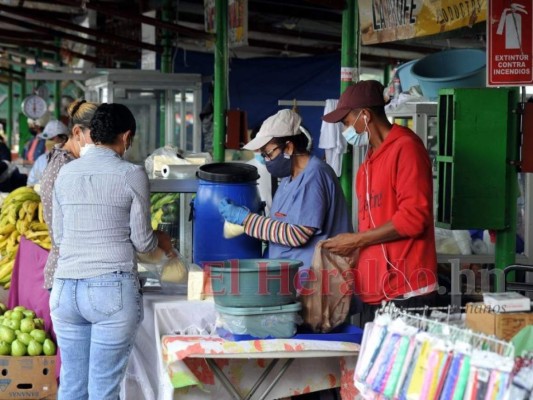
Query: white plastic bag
{"type": "Point", "coordinates": [161, 157]}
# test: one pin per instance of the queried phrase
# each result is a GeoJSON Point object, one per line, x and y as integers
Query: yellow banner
{"type": "Point", "coordinates": [391, 20]}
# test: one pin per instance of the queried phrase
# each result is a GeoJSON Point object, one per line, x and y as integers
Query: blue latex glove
{"type": "Point", "coordinates": [231, 212]}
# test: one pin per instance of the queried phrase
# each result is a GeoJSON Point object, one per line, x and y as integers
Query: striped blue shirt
{"type": "Point", "coordinates": [101, 215]}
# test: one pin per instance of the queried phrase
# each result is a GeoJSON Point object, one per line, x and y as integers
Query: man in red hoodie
{"type": "Point", "coordinates": [395, 239]}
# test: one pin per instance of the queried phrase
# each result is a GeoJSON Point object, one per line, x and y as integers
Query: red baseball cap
{"type": "Point", "coordinates": [363, 94]}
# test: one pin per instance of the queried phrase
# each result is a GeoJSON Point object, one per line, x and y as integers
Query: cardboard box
{"type": "Point", "coordinates": [482, 318]}
{"type": "Point", "coordinates": [27, 377]}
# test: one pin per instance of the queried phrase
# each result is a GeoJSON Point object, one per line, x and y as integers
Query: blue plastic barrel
{"type": "Point", "coordinates": [216, 181]}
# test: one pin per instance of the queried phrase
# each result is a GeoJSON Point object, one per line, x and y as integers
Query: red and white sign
{"type": "Point", "coordinates": [510, 43]}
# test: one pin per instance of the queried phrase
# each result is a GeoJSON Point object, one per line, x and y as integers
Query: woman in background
{"type": "Point", "coordinates": [79, 140]}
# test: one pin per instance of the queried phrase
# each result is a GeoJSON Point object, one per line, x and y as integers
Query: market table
{"type": "Point", "coordinates": [143, 379]}
{"type": "Point", "coordinates": [270, 369]}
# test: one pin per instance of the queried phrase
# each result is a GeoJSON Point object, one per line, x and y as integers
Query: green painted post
{"type": "Point", "coordinates": [505, 248]}
{"type": "Point", "coordinates": [23, 90]}
{"type": "Point", "coordinates": [9, 120]}
{"type": "Point", "coordinates": [221, 75]}
{"type": "Point", "coordinates": [349, 66]}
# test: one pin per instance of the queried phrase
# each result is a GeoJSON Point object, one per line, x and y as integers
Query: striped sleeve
{"type": "Point", "coordinates": [279, 232]}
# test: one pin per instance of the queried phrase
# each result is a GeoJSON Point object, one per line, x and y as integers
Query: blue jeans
{"type": "Point", "coordinates": [95, 321]}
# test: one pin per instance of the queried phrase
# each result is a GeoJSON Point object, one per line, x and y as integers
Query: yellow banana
{"type": "Point", "coordinates": [41, 214]}
{"type": "Point", "coordinates": [7, 229]}
{"type": "Point", "coordinates": [13, 246]}
{"type": "Point", "coordinates": [4, 241]}
{"type": "Point", "coordinates": [31, 210]}
{"type": "Point", "coordinates": [7, 258]}
{"type": "Point", "coordinates": [38, 226]}
{"type": "Point", "coordinates": [34, 234]}
{"type": "Point", "coordinates": [22, 213]}
{"type": "Point", "coordinates": [19, 228]}
{"type": "Point", "coordinates": [44, 244]}
{"type": "Point", "coordinates": [7, 285]}
{"type": "Point", "coordinates": [5, 280]}
{"type": "Point", "coordinates": [6, 269]}
{"type": "Point", "coordinates": [22, 194]}
{"type": "Point", "coordinates": [12, 241]}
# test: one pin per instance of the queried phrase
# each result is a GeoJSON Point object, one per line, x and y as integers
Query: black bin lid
{"type": "Point", "coordinates": [230, 172]}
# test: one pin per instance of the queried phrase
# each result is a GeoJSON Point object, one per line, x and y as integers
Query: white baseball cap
{"type": "Point", "coordinates": [282, 124]}
{"type": "Point", "coordinates": [52, 129]}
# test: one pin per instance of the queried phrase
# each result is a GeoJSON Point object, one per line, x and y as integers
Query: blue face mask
{"type": "Point", "coordinates": [356, 138]}
{"type": "Point", "coordinates": [259, 158]}
{"type": "Point", "coordinates": [280, 167]}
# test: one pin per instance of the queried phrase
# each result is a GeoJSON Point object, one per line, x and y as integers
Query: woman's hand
{"type": "Point", "coordinates": [345, 244]}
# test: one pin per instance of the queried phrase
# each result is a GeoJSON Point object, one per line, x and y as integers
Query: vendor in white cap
{"type": "Point", "coordinates": [308, 206]}
{"type": "Point", "coordinates": [55, 133]}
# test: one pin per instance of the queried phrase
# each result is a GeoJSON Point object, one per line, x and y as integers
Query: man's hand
{"type": "Point", "coordinates": [345, 244]}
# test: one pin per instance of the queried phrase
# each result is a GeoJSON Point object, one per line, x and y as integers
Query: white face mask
{"type": "Point", "coordinates": [356, 138]}
{"type": "Point", "coordinates": [86, 146]}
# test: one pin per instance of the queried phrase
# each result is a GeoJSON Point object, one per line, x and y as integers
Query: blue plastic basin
{"type": "Point", "coordinates": [254, 282]}
{"type": "Point", "coordinates": [450, 69]}
{"type": "Point", "coordinates": [407, 79]}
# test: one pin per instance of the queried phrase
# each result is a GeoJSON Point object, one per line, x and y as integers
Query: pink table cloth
{"type": "Point", "coordinates": [27, 282]}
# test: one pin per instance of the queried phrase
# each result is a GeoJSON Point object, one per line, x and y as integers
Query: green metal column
{"type": "Point", "coordinates": [23, 90]}
{"type": "Point", "coordinates": [505, 249]}
{"type": "Point", "coordinates": [349, 61]}
{"type": "Point", "coordinates": [221, 76]}
{"type": "Point", "coordinates": [166, 67]}
{"type": "Point", "coordinates": [9, 120]}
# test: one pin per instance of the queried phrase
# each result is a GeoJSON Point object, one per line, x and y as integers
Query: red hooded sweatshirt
{"type": "Point", "coordinates": [399, 183]}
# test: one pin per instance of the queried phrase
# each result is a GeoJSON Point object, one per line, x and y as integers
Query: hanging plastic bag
{"type": "Point", "coordinates": [327, 296]}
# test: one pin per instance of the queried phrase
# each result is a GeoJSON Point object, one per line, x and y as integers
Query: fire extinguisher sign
{"type": "Point", "coordinates": [510, 43]}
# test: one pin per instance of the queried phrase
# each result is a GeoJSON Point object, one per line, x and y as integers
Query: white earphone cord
{"type": "Point", "coordinates": [372, 219]}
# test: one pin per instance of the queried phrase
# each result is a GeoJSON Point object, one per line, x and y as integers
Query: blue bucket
{"type": "Point", "coordinates": [407, 79]}
{"type": "Point", "coordinates": [216, 181]}
{"type": "Point", "coordinates": [450, 69]}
